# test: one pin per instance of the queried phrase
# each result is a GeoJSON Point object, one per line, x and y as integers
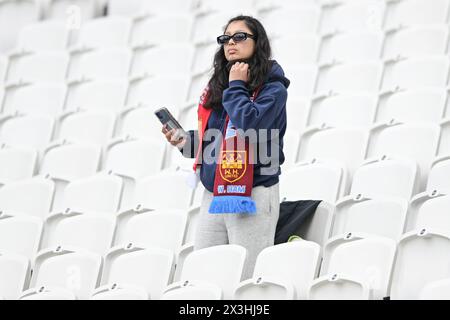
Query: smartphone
{"type": "Point", "coordinates": [167, 119]}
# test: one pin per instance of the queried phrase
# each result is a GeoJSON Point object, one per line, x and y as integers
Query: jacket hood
{"type": "Point", "coordinates": [277, 74]}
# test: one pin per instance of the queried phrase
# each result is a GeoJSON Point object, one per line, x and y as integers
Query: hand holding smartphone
{"type": "Point", "coordinates": [170, 123]}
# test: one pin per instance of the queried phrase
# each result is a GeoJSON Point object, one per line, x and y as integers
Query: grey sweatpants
{"type": "Point", "coordinates": [254, 232]}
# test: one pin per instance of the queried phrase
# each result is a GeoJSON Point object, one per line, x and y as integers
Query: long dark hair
{"type": "Point", "coordinates": [259, 63]}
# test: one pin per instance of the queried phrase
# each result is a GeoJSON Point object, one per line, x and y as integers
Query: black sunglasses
{"type": "Point", "coordinates": [237, 37]}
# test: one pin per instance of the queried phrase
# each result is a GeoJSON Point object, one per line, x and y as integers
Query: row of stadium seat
{"type": "Point", "coordinates": [351, 266]}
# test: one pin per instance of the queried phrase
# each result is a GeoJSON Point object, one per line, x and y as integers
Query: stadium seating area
{"type": "Point", "coordinates": [93, 200]}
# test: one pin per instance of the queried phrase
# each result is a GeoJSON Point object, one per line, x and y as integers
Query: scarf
{"type": "Point", "coordinates": [233, 180]}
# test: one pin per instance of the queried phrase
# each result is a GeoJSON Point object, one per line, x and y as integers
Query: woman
{"type": "Point", "coordinates": [246, 92]}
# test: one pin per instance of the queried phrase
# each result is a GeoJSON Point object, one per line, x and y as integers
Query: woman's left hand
{"type": "Point", "coordinates": [239, 71]}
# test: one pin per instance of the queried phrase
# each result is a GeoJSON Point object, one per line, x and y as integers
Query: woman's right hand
{"type": "Point", "coordinates": [173, 138]}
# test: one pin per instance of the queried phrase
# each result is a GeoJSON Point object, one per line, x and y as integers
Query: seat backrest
{"type": "Point", "coordinates": [149, 269]}
{"type": "Point", "coordinates": [44, 36]}
{"type": "Point", "coordinates": [39, 194]}
{"type": "Point", "coordinates": [92, 127]}
{"type": "Point", "coordinates": [396, 177]}
{"type": "Point", "coordinates": [420, 252]}
{"type": "Point", "coordinates": [20, 234]}
{"type": "Point", "coordinates": [155, 229]}
{"type": "Point", "coordinates": [296, 263]}
{"type": "Point", "coordinates": [106, 94]}
{"type": "Point", "coordinates": [34, 132]}
{"type": "Point", "coordinates": [219, 265]}
{"type": "Point", "coordinates": [71, 162]}
{"type": "Point", "coordinates": [76, 271]}
{"type": "Point", "coordinates": [136, 159]}
{"type": "Point", "coordinates": [99, 193]}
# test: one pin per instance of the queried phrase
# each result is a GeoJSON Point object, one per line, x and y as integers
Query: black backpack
{"type": "Point", "coordinates": [292, 215]}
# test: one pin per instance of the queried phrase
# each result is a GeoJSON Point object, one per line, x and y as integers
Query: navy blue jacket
{"type": "Point", "coordinates": [268, 111]}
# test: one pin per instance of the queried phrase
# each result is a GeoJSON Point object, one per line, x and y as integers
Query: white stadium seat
{"type": "Point", "coordinates": [34, 131]}
{"type": "Point", "coordinates": [36, 99]}
{"type": "Point", "coordinates": [348, 16]}
{"type": "Point", "coordinates": [133, 160]}
{"type": "Point", "coordinates": [75, 271]}
{"type": "Point", "coordinates": [422, 257]}
{"type": "Point", "coordinates": [219, 265]}
{"type": "Point", "coordinates": [44, 36]}
{"type": "Point", "coordinates": [39, 67]}
{"type": "Point", "coordinates": [136, 158]}
{"type": "Point", "coordinates": [417, 105]}
{"type": "Point", "coordinates": [99, 193]}
{"type": "Point", "coordinates": [88, 230]}
{"type": "Point", "coordinates": [297, 110]}
{"type": "Point", "coordinates": [332, 243]}
{"type": "Point", "coordinates": [417, 12]}
{"type": "Point", "coordinates": [345, 145]}
{"type": "Point", "coordinates": [66, 163]}
{"type": "Point", "coordinates": [295, 263]}
{"type": "Point", "coordinates": [415, 141]}
{"type": "Point", "coordinates": [140, 122]}
{"type": "Point", "coordinates": [20, 234]}
{"type": "Point", "coordinates": [386, 176]}
{"type": "Point", "coordinates": [106, 32]}
{"type": "Point", "coordinates": [148, 193]}
{"type": "Point", "coordinates": [430, 210]}
{"type": "Point", "coordinates": [444, 142]}
{"type": "Point", "coordinates": [71, 161]}
{"type": "Point", "coordinates": [160, 229]}
{"type": "Point", "coordinates": [296, 49]}
{"type": "Point", "coordinates": [134, 8]}
{"type": "Point", "coordinates": [17, 164]}
{"type": "Point", "coordinates": [14, 15]}
{"type": "Point", "coordinates": [157, 91]}
{"type": "Point", "coordinates": [192, 223]}
{"type": "Point", "coordinates": [148, 61]}
{"type": "Point", "coordinates": [284, 21]}
{"type": "Point", "coordinates": [105, 94]}
{"type": "Point", "coordinates": [102, 64]}
{"type": "Point", "coordinates": [415, 41]}
{"type": "Point", "coordinates": [176, 29]}
{"type": "Point", "coordinates": [3, 67]}
{"type": "Point", "coordinates": [77, 10]}
{"type": "Point", "coordinates": [314, 180]}
{"type": "Point", "coordinates": [413, 73]}
{"type": "Point", "coordinates": [343, 110]}
{"type": "Point", "coordinates": [87, 127]}
{"type": "Point", "coordinates": [351, 46]}
{"type": "Point", "coordinates": [303, 78]}
{"type": "Point", "coordinates": [438, 178]}
{"type": "Point", "coordinates": [354, 77]}
{"type": "Point", "coordinates": [381, 216]}
{"type": "Point", "coordinates": [14, 275]}
{"type": "Point", "coordinates": [368, 261]}
{"type": "Point", "coordinates": [39, 197]}
{"type": "Point", "coordinates": [150, 269]}
{"type": "Point", "coordinates": [436, 290]}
